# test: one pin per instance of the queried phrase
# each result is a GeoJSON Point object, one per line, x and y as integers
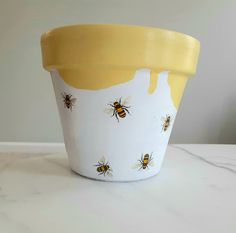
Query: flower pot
{"type": "Point", "coordinates": [118, 89]}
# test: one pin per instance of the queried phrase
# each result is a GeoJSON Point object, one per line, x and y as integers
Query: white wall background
{"type": "Point", "coordinates": [28, 108]}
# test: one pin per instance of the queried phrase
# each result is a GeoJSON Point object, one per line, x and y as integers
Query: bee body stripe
{"type": "Point", "coordinates": [119, 110]}
{"type": "Point", "coordinates": [122, 114]}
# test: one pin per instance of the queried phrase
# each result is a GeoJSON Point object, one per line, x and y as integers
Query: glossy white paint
{"type": "Point", "coordinates": [91, 132]}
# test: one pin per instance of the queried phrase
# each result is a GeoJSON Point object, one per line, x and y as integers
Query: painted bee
{"type": "Point", "coordinates": [166, 122]}
{"type": "Point", "coordinates": [144, 162]}
{"type": "Point", "coordinates": [119, 109]}
{"type": "Point", "coordinates": [103, 167]}
{"type": "Point", "coordinates": [69, 102]}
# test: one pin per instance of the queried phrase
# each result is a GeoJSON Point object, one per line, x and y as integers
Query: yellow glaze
{"type": "Point", "coordinates": [177, 84]}
{"type": "Point", "coordinates": [100, 56]}
{"type": "Point", "coordinates": [153, 81]}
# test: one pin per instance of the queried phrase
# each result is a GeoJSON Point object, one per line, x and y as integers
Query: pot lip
{"type": "Point", "coordinates": [119, 45]}
{"type": "Point", "coordinates": [58, 30]}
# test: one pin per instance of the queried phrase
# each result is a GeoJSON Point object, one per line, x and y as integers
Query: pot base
{"type": "Point", "coordinates": [116, 180]}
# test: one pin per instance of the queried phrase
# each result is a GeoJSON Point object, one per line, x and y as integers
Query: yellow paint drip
{"type": "Point", "coordinates": [153, 82]}
{"type": "Point", "coordinates": [177, 83]}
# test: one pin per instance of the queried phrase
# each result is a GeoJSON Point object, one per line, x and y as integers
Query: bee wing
{"type": "Point", "coordinates": [73, 100]}
{"type": "Point", "coordinates": [108, 110]}
{"type": "Point", "coordinates": [102, 160]}
{"type": "Point", "coordinates": [137, 165]}
{"type": "Point", "coordinates": [126, 100]}
{"type": "Point", "coordinates": [163, 119]}
{"type": "Point", "coordinates": [151, 163]}
{"type": "Point", "coordinates": [109, 174]}
{"type": "Point", "coordinates": [170, 115]}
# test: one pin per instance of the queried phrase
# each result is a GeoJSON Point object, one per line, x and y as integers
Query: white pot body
{"type": "Point", "coordinates": [103, 145]}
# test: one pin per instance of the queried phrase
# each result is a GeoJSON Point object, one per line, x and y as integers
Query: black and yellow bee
{"type": "Point", "coordinates": [145, 161]}
{"type": "Point", "coordinates": [166, 122]}
{"type": "Point", "coordinates": [69, 102]}
{"type": "Point", "coordinates": [119, 109]}
{"type": "Point", "coordinates": [103, 167]}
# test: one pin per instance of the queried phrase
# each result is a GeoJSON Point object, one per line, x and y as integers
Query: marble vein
{"type": "Point", "coordinates": [199, 157]}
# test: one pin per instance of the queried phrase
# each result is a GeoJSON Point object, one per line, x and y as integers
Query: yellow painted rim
{"type": "Point", "coordinates": [126, 47]}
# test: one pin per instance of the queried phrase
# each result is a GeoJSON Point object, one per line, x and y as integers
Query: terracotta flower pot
{"type": "Point", "coordinates": [118, 89]}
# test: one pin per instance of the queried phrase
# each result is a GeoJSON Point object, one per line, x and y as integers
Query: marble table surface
{"type": "Point", "coordinates": [195, 192]}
